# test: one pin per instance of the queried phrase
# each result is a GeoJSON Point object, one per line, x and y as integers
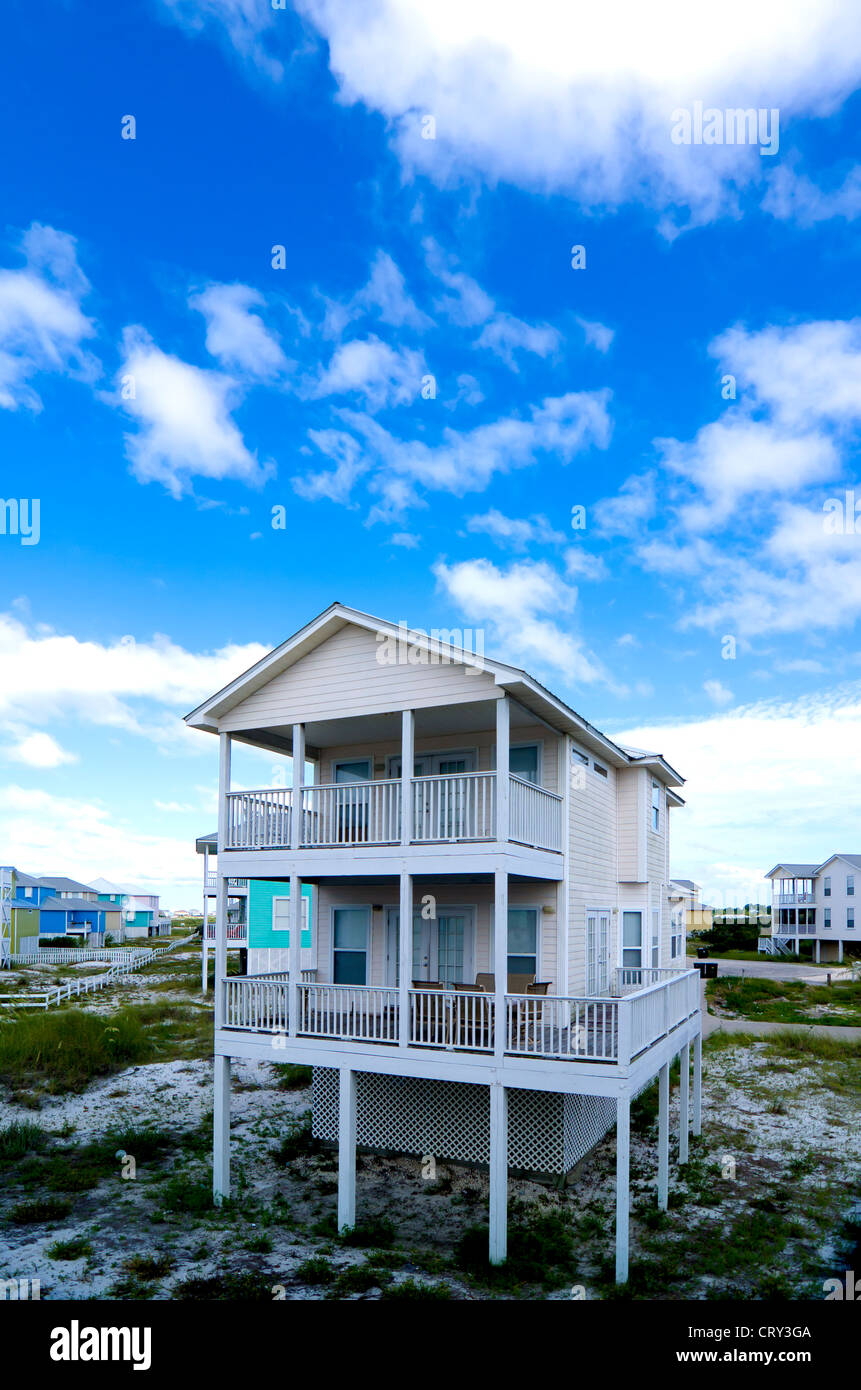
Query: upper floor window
{"type": "Point", "coordinates": [850, 885]}
{"type": "Point", "coordinates": [827, 918]}
{"type": "Point", "coordinates": [601, 771]}
{"type": "Point", "coordinates": [827, 887]}
{"type": "Point", "coordinates": [579, 757]}
{"type": "Point", "coordinates": [656, 805]}
{"type": "Point", "coordinates": [523, 762]}
{"type": "Point", "coordinates": [850, 917]}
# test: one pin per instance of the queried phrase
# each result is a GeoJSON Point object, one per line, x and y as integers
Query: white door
{"type": "Point", "coordinates": [597, 952]}
{"type": "Point", "coordinates": [442, 946]}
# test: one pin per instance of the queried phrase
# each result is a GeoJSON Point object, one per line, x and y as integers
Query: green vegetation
{"type": "Point", "coordinates": [76, 1249]}
{"type": "Point", "coordinates": [787, 1001]}
{"type": "Point", "coordinates": [19, 1138]}
{"type": "Point", "coordinates": [238, 1286]}
{"type": "Point", "coordinates": [149, 1267]}
{"type": "Point", "coordinates": [293, 1078]}
{"type": "Point", "coordinates": [379, 1231]}
{"type": "Point", "coordinates": [298, 1142]}
{"type": "Point", "coordinates": [41, 1210]}
{"type": "Point", "coordinates": [540, 1251]}
{"type": "Point", "coordinates": [415, 1288]}
{"type": "Point", "coordinates": [68, 1047]}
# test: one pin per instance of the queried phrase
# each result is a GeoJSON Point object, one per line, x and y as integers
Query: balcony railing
{"type": "Point", "coordinates": [451, 808]}
{"type": "Point", "coordinates": [236, 931]}
{"type": "Point", "coordinates": [790, 899]}
{"type": "Point", "coordinates": [212, 882]}
{"type": "Point", "coordinates": [554, 1027]}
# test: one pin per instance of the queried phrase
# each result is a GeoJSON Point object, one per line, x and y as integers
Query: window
{"type": "Point", "coordinates": [601, 771]}
{"type": "Point", "coordinates": [523, 941]}
{"type": "Point", "coordinates": [656, 805]}
{"type": "Point", "coordinates": [850, 917]}
{"type": "Point", "coordinates": [523, 762]}
{"type": "Point", "coordinates": [281, 913]}
{"type": "Point", "coordinates": [358, 770]}
{"type": "Point", "coordinates": [350, 945]}
{"type": "Point", "coordinates": [677, 936]}
{"type": "Point", "coordinates": [784, 916]}
{"type": "Point", "coordinates": [28, 892]}
{"type": "Point", "coordinates": [850, 885]}
{"type": "Point", "coordinates": [578, 757]}
{"type": "Point", "coordinates": [656, 938]}
{"type": "Point", "coordinates": [828, 919]}
{"type": "Point", "coordinates": [632, 938]}
{"type": "Point", "coordinates": [827, 887]}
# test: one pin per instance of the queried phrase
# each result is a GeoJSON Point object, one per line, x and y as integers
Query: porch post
{"type": "Point", "coordinates": [684, 1103]}
{"type": "Point", "coordinates": [498, 1173]}
{"type": "Point", "coordinates": [663, 1136]}
{"type": "Point", "coordinates": [698, 1084]}
{"type": "Point", "coordinates": [503, 784]}
{"type": "Point", "coordinates": [204, 984]}
{"type": "Point", "coordinates": [500, 959]}
{"type": "Point", "coordinates": [623, 1164]}
{"type": "Point", "coordinates": [224, 741]}
{"type": "Point", "coordinates": [295, 955]}
{"type": "Point", "coordinates": [408, 750]}
{"type": "Point", "coordinates": [346, 1148]}
{"type": "Point", "coordinates": [221, 1129]}
{"type": "Point", "coordinates": [298, 804]}
{"type": "Point", "coordinates": [840, 950]}
{"type": "Point", "coordinates": [817, 950]}
{"type": "Point", "coordinates": [405, 962]}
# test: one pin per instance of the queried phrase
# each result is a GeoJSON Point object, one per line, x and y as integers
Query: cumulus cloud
{"type": "Point", "coordinates": [523, 606]}
{"type": "Point", "coordinates": [235, 334]}
{"type": "Point", "coordinates": [38, 750]}
{"type": "Point", "coordinates": [42, 325]}
{"type": "Point", "coordinates": [630, 510]}
{"type": "Point", "coordinates": [384, 295]}
{"type": "Point", "coordinates": [794, 197]}
{"type": "Point", "coordinates": [515, 532]}
{"type": "Point", "coordinates": [186, 429]}
{"type": "Point", "coordinates": [380, 374]}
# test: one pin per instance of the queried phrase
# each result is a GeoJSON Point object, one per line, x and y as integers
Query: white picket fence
{"type": "Point", "coordinates": [68, 955]}
{"type": "Point", "coordinates": [58, 994]}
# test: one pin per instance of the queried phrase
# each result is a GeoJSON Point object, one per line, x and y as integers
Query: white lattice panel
{"type": "Point", "coordinates": [547, 1132]}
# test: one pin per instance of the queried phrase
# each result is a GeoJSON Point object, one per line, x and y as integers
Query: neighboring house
{"type": "Point", "coordinates": [139, 911]}
{"type": "Point", "coordinates": [684, 896]}
{"type": "Point", "coordinates": [495, 979]}
{"type": "Point", "coordinates": [20, 920]}
{"type": "Point", "coordinates": [818, 903]}
{"type": "Point", "coordinates": [71, 916]}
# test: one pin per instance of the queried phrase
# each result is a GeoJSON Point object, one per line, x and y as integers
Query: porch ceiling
{"type": "Point", "coordinates": [419, 880]}
{"type": "Point", "coordinates": [467, 717]}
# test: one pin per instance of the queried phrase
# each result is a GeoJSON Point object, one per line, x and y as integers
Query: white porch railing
{"type": "Point", "coordinates": [236, 931]}
{"type": "Point", "coordinates": [790, 899]}
{"type": "Point", "coordinates": [535, 815]}
{"type": "Point", "coordinates": [353, 813]}
{"type": "Point", "coordinates": [212, 882]}
{"type": "Point", "coordinates": [259, 819]}
{"type": "Point", "coordinates": [563, 1028]}
{"type": "Point", "coordinates": [454, 806]}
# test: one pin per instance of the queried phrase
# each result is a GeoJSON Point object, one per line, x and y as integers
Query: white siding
{"type": "Point", "coordinates": [593, 867]}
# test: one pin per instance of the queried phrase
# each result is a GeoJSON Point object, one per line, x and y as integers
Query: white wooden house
{"type": "Point", "coordinates": [495, 974]}
{"type": "Point", "coordinates": [816, 903]}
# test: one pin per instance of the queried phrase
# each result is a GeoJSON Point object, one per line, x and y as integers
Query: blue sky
{"type": "Point", "coordinates": [428, 388]}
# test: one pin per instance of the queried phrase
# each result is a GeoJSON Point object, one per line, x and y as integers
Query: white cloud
{"type": "Point", "coordinates": [42, 326]}
{"type": "Point", "coordinates": [718, 693]}
{"type": "Point", "coordinates": [382, 375]}
{"type": "Point", "coordinates": [234, 334]}
{"type": "Point", "coordinates": [468, 305]}
{"type": "Point", "coordinates": [50, 675]}
{"type": "Point", "coordinates": [598, 334]}
{"type": "Point", "coordinates": [803, 760]}
{"type": "Point", "coordinates": [794, 197]}
{"type": "Point", "coordinates": [407, 540]}
{"type": "Point", "coordinates": [627, 513]}
{"type": "Point", "coordinates": [38, 750]}
{"type": "Point", "coordinates": [516, 532]}
{"type": "Point", "coordinates": [580, 100]}
{"type": "Point", "coordinates": [522, 605]}
{"type": "Point", "coordinates": [806, 375]}
{"type": "Point", "coordinates": [505, 334]}
{"type": "Point", "coordinates": [334, 483]}
{"type": "Point", "coordinates": [186, 428]}
{"type": "Point", "coordinates": [248, 26]}
{"type": "Point", "coordinates": [580, 564]}
{"type": "Point", "coordinates": [384, 295]}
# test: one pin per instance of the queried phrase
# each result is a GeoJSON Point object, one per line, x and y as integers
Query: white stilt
{"type": "Point", "coordinates": [405, 957]}
{"type": "Point", "coordinates": [840, 949]}
{"type": "Point", "coordinates": [663, 1136]}
{"type": "Point", "coordinates": [204, 983]}
{"type": "Point", "coordinates": [698, 1084]}
{"type": "Point", "coordinates": [623, 1196]}
{"type": "Point", "coordinates": [684, 1103]}
{"type": "Point", "coordinates": [498, 1173]}
{"type": "Point", "coordinates": [221, 1130]}
{"type": "Point", "coordinates": [346, 1149]}
{"type": "Point", "coordinates": [818, 944]}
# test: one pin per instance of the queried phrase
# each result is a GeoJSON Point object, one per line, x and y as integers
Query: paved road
{"type": "Point", "coordinates": [711, 1024]}
{"type": "Point", "coordinates": [780, 970]}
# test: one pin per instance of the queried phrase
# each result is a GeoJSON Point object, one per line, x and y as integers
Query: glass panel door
{"type": "Point", "coordinates": [632, 939]}
{"type": "Point", "coordinates": [353, 800]}
{"type": "Point", "coordinates": [350, 945]}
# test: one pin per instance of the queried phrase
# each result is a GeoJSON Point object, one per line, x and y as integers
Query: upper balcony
{"type": "Point", "coordinates": [445, 809]}
{"type": "Point", "coordinates": [794, 899]}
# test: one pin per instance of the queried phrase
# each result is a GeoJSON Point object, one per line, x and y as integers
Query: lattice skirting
{"type": "Point", "coordinates": [547, 1133]}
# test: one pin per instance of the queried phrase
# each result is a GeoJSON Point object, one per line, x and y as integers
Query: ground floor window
{"type": "Point", "coordinates": [523, 941]}
{"type": "Point", "coordinates": [632, 939]}
{"type": "Point", "coordinates": [350, 945]}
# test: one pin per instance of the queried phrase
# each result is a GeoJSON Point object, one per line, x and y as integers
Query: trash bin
{"type": "Point", "coordinates": [707, 969]}
{"type": "Point", "coordinates": [702, 952]}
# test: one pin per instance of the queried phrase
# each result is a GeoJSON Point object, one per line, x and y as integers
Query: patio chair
{"type": "Point", "coordinates": [485, 982]}
{"type": "Point", "coordinates": [519, 984]}
{"type": "Point", "coordinates": [538, 987]}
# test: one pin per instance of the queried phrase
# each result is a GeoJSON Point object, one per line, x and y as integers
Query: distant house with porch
{"type": "Point", "coordinates": [816, 903]}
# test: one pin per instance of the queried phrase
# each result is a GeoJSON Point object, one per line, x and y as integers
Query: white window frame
{"type": "Point", "coordinates": [306, 911]}
{"type": "Point", "coordinates": [392, 916]}
{"type": "Point", "coordinates": [351, 907]}
{"type": "Point", "coordinates": [394, 758]}
{"type": "Point", "coordinates": [656, 809]}
{"type": "Point", "coordinates": [644, 918]}
{"type": "Point", "coordinates": [538, 744]}
{"type": "Point", "coordinates": [538, 909]}
{"type": "Point", "coordinates": [850, 912]}
{"type": "Point", "coordinates": [598, 913]}
{"type": "Point", "coordinates": [341, 762]}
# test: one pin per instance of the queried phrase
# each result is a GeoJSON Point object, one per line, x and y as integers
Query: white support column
{"type": "Point", "coordinates": [663, 1136]}
{"type": "Point", "coordinates": [294, 955]}
{"type": "Point", "coordinates": [840, 949]}
{"type": "Point", "coordinates": [408, 758]}
{"type": "Point", "coordinates": [346, 1148]}
{"type": "Point", "coordinates": [221, 1130]}
{"type": "Point", "coordinates": [817, 950]}
{"type": "Point", "coordinates": [500, 958]}
{"type": "Point", "coordinates": [298, 803]}
{"type": "Point", "coordinates": [204, 983]}
{"type": "Point", "coordinates": [498, 1248]}
{"type": "Point", "coordinates": [623, 1196]}
{"type": "Point", "coordinates": [503, 782]}
{"type": "Point", "coordinates": [697, 1125]}
{"type": "Point", "coordinates": [221, 891]}
{"type": "Point", "coordinates": [684, 1103]}
{"type": "Point", "coordinates": [405, 957]}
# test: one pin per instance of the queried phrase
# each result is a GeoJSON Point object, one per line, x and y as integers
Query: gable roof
{"type": "Point", "coordinates": [793, 870]}
{"type": "Point", "coordinates": [853, 859]}
{"type": "Point", "coordinates": [519, 683]}
{"type": "Point", "coordinates": [70, 905]}
{"type": "Point", "coordinates": [63, 885]}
